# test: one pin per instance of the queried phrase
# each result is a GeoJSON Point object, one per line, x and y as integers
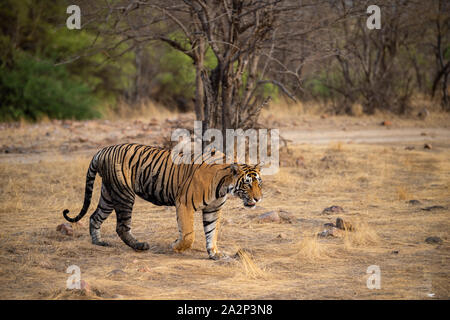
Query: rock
{"type": "Point", "coordinates": [329, 225]}
{"type": "Point", "coordinates": [414, 202]}
{"type": "Point", "coordinates": [323, 234]}
{"type": "Point", "coordinates": [117, 296]}
{"type": "Point", "coordinates": [423, 113]}
{"type": "Point", "coordinates": [285, 216]}
{"type": "Point", "coordinates": [84, 286]}
{"type": "Point", "coordinates": [271, 216]}
{"type": "Point", "coordinates": [409, 148]}
{"type": "Point", "coordinates": [144, 269]}
{"type": "Point", "coordinates": [333, 209]}
{"type": "Point", "coordinates": [386, 123]}
{"type": "Point", "coordinates": [281, 236]}
{"type": "Point", "coordinates": [331, 232]}
{"type": "Point", "coordinates": [344, 225]}
{"type": "Point", "coordinates": [434, 208]}
{"type": "Point", "coordinates": [433, 240]}
{"type": "Point", "coordinates": [427, 146]}
{"type": "Point", "coordinates": [65, 228]}
{"type": "Point", "coordinates": [394, 252]}
{"type": "Point", "coordinates": [300, 162]}
{"type": "Point", "coordinates": [116, 273]}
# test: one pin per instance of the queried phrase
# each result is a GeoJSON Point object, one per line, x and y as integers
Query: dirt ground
{"type": "Point", "coordinates": [370, 170]}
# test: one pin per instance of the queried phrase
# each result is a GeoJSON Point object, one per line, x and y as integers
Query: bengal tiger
{"type": "Point", "coordinates": [149, 172]}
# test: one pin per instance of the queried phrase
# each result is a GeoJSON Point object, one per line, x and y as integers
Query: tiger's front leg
{"type": "Point", "coordinates": [211, 219]}
{"type": "Point", "coordinates": [186, 237]}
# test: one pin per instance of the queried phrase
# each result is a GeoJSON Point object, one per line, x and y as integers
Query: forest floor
{"type": "Point", "coordinates": [371, 171]}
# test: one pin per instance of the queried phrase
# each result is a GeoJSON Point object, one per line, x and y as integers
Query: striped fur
{"type": "Point", "coordinates": [128, 170]}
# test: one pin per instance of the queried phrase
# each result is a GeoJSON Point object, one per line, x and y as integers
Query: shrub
{"type": "Point", "coordinates": [32, 89]}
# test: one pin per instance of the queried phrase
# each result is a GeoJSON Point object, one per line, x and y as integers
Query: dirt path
{"type": "Point", "coordinates": [312, 137]}
{"type": "Point", "coordinates": [370, 136]}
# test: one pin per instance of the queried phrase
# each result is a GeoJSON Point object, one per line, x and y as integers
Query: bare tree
{"type": "Point", "coordinates": [245, 37]}
{"type": "Point", "coordinates": [441, 50]}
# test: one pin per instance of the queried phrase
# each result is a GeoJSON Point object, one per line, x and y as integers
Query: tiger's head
{"type": "Point", "coordinates": [248, 184]}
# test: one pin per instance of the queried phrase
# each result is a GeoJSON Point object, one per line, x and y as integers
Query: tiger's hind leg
{"type": "Point", "coordinates": [104, 209]}
{"type": "Point", "coordinates": [123, 228]}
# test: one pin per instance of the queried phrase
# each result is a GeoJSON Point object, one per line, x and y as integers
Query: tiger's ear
{"type": "Point", "coordinates": [236, 169]}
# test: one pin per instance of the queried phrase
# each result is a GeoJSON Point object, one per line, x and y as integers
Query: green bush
{"type": "Point", "coordinates": [33, 89]}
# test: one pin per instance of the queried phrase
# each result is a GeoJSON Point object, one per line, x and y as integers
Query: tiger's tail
{"type": "Point", "coordinates": [90, 178]}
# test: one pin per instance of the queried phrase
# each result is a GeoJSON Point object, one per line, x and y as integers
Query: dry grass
{"type": "Point", "coordinates": [143, 110]}
{"type": "Point", "coordinates": [281, 260]}
{"type": "Point", "coordinates": [313, 115]}
{"type": "Point", "coordinates": [363, 236]}
{"type": "Point", "coordinates": [311, 249]}
{"type": "Point", "coordinates": [288, 108]}
{"type": "Point", "coordinates": [251, 269]}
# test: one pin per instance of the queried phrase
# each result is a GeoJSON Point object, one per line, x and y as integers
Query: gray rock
{"type": "Point", "coordinates": [285, 216]}
{"type": "Point", "coordinates": [432, 208]}
{"type": "Point", "coordinates": [116, 273]}
{"type": "Point", "coordinates": [331, 232]}
{"type": "Point", "coordinates": [333, 209]}
{"type": "Point", "coordinates": [65, 228]}
{"type": "Point", "coordinates": [433, 240]}
{"type": "Point", "coordinates": [271, 216]}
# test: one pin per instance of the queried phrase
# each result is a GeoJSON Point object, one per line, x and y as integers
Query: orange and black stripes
{"type": "Point", "coordinates": [128, 170]}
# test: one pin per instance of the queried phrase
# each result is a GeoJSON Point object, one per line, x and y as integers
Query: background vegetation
{"type": "Point", "coordinates": [336, 60]}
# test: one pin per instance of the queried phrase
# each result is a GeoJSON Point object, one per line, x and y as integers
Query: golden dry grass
{"type": "Point", "coordinates": [276, 260]}
{"type": "Point", "coordinates": [143, 110]}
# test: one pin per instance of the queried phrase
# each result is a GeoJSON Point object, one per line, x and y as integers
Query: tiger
{"type": "Point", "coordinates": [132, 169]}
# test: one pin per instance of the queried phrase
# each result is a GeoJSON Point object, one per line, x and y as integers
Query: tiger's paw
{"type": "Point", "coordinates": [182, 245]}
{"type": "Point", "coordinates": [177, 248]}
{"type": "Point", "coordinates": [218, 256]}
{"type": "Point", "coordinates": [141, 246]}
{"type": "Point", "coordinates": [101, 243]}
